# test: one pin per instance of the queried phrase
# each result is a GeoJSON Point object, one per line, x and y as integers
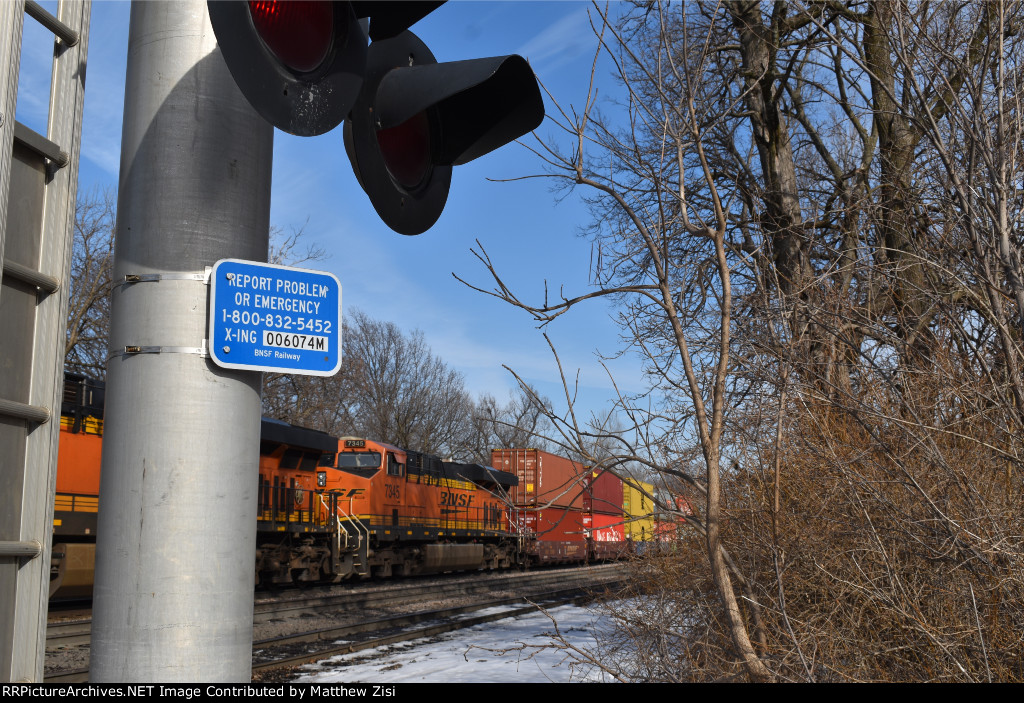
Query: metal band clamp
{"type": "Point", "coordinates": [133, 349]}
{"type": "Point", "coordinates": [129, 278]}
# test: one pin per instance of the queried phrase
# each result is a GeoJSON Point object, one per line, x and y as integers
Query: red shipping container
{"type": "Point", "coordinates": [608, 528]}
{"type": "Point", "coordinates": [667, 530]}
{"type": "Point", "coordinates": [544, 479]}
{"type": "Point", "coordinates": [604, 493]}
{"type": "Point", "coordinates": [683, 506]}
{"type": "Point", "coordinates": [549, 524]}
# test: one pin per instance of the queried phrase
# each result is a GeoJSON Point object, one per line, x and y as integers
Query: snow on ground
{"type": "Point", "coordinates": [504, 651]}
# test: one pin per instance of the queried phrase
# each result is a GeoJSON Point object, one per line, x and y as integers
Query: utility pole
{"type": "Point", "coordinates": [176, 532]}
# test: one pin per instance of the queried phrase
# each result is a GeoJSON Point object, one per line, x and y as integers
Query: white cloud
{"type": "Point", "coordinates": [561, 43]}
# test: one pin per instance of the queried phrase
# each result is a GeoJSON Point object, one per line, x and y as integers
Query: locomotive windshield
{"type": "Point", "coordinates": [359, 460]}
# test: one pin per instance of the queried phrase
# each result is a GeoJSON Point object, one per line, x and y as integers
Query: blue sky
{"type": "Point", "coordinates": [529, 232]}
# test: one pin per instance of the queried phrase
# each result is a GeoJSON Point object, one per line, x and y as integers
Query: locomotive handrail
{"type": "Point", "coordinates": [360, 527]}
{"type": "Point", "coordinates": [337, 522]}
{"type": "Point", "coordinates": [344, 514]}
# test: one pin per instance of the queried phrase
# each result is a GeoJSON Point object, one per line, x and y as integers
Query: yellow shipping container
{"type": "Point", "coordinates": [639, 509]}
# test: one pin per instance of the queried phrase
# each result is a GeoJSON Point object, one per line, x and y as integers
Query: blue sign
{"type": "Point", "coordinates": [265, 317]}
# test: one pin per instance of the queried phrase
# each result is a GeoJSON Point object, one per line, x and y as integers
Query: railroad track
{"type": "Point", "coordinates": [355, 610]}
{"type": "Point", "coordinates": [276, 654]}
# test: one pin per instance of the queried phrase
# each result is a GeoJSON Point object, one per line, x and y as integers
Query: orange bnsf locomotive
{"type": "Point", "coordinates": [329, 509]}
{"type": "Point", "coordinates": [352, 507]}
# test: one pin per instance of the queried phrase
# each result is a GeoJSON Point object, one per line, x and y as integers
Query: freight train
{"type": "Point", "coordinates": [338, 508]}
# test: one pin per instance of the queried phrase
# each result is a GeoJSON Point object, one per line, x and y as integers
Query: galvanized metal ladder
{"type": "Point", "coordinates": [38, 183]}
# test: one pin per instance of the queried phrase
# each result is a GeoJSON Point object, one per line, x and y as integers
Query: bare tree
{"type": "Point", "coordinates": [400, 392]}
{"type": "Point", "coordinates": [522, 422]}
{"type": "Point", "coordinates": [665, 260]}
{"type": "Point", "coordinates": [317, 402]}
{"type": "Point", "coordinates": [291, 247]}
{"type": "Point", "coordinates": [85, 345]}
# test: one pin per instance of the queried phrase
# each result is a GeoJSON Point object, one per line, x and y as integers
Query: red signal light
{"type": "Point", "coordinates": [298, 32]}
{"type": "Point", "coordinates": [406, 150]}
{"type": "Point", "coordinates": [300, 64]}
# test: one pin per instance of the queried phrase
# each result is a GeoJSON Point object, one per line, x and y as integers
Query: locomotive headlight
{"type": "Point", "coordinates": [321, 478]}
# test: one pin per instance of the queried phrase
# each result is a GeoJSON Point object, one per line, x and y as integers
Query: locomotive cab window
{"type": "Point", "coordinates": [359, 460]}
{"type": "Point", "coordinates": [395, 468]}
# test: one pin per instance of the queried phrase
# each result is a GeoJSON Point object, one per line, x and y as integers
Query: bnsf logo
{"type": "Point", "coordinates": [456, 500]}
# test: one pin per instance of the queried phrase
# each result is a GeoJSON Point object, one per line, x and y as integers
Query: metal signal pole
{"type": "Point", "coordinates": [176, 533]}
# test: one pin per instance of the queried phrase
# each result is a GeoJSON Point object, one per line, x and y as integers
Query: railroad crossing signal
{"type": "Point", "coordinates": [306, 66]}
